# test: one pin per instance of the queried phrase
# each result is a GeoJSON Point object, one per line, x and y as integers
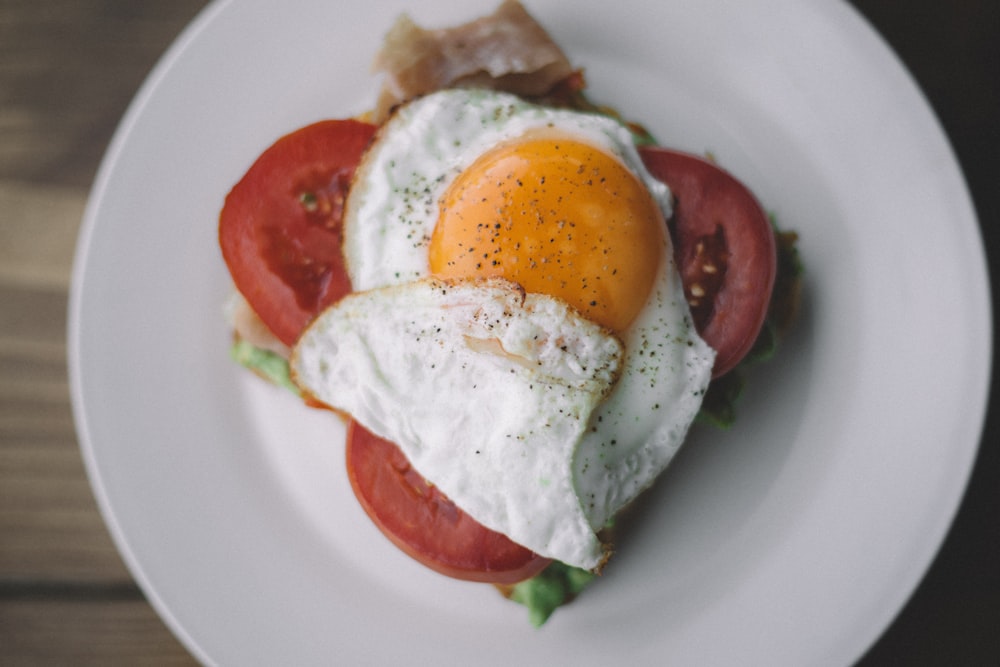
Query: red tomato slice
{"type": "Point", "coordinates": [280, 228]}
{"type": "Point", "coordinates": [421, 521]}
{"type": "Point", "coordinates": [725, 251]}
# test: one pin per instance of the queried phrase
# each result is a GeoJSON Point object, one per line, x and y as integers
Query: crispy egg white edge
{"type": "Point", "coordinates": [424, 147]}
{"type": "Point", "coordinates": [637, 430]}
{"type": "Point", "coordinates": [485, 389]}
{"type": "Point", "coordinates": [655, 401]}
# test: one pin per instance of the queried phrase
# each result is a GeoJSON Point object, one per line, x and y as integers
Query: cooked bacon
{"type": "Point", "coordinates": [507, 50]}
{"type": "Point", "coordinates": [248, 326]}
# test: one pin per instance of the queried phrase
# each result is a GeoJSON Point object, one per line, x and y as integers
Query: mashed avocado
{"type": "Point", "coordinates": [270, 366]}
{"type": "Point", "coordinates": [549, 589]}
{"type": "Point", "coordinates": [559, 583]}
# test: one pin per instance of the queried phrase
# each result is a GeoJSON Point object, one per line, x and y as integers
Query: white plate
{"type": "Point", "coordinates": [792, 539]}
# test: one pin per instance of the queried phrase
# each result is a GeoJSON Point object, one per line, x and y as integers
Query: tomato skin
{"type": "Point", "coordinates": [725, 251]}
{"type": "Point", "coordinates": [281, 226]}
{"type": "Point", "coordinates": [421, 521]}
{"type": "Point", "coordinates": [280, 231]}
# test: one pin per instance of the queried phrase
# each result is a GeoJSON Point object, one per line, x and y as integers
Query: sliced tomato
{"type": "Point", "coordinates": [424, 523]}
{"type": "Point", "coordinates": [281, 226]}
{"type": "Point", "coordinates": [725, 251]}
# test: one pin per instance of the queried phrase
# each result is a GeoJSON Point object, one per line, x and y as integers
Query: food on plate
{"type": "Point", "coordinates": [517, 300]}
{"type": "Point", "coordinates": [507, 50]}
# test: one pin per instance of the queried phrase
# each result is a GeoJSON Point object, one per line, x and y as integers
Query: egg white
{"type": "Point", "coordinates": [485, 388]}
{"type": "Point", "coordinates": [392, 208]}
{"type": "Point", "coordinates": [638, 429]}
{"type": "Point", "coordinates": [630, 434]}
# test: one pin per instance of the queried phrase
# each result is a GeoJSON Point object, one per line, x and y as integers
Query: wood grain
{"type": "Point", "coordinates": [67, 72]}
{"type": "Point", "coordinates": [86, 630]}
{"type": "Point", "coordinates": [68, 69]}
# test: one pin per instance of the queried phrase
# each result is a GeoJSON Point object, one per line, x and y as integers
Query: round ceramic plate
{"type": "Point", "coordinates": [791, 539]}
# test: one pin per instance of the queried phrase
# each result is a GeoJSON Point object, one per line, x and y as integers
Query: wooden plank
{"type": "Point", "coordinates": [38, 233]}
{"type": "Point", "coordinates": [87, 629]}
{"type": "Point", "coordinates": [33, 315]}
{"type": "Point", "coordinates": [68, 70]}
{"type": "Point", "coordinates": [48, 516]}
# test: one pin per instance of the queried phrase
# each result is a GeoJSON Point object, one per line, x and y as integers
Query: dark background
{"type": "Point", "coordinates": [953, 51]}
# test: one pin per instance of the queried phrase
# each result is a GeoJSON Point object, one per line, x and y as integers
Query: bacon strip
{"type": "Point", "coordinates": [248, 326]}
{"type": "Point", "coordinates": [507, 50]}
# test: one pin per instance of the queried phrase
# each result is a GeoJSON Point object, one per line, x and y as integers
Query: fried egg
{"type": "Point", "coordinates": [489, 388]}
{"type": "Point", "coordinates": [463, 186]}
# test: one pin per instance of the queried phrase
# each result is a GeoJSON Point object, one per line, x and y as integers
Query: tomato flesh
{"type": "Point", "coordinates": [281, 226]}
{"type": "Point", "coordinates": [424, 523]}
{"type": "Point", "coordinates": [725, 251]}
{"type": "Point", "coordinates": [280, 231]}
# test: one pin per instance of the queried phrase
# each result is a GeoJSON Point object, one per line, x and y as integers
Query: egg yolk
{"type": "Point", "coordinates": [559, 217]}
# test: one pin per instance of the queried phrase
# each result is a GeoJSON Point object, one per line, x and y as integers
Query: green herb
{"type": "Point", "coordinates": [309, 201]}
{"type": "Point", "coordinates": [718, 408]}
{"type": "Point", "coordinates": [719, 405]}
{"type": "Point", "coordinates": [269, 365]}
{"type": "Point", "coordinates": [550, 589]}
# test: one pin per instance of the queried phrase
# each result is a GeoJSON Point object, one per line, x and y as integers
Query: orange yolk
{"type": "Point", "coordinates": [559, 217]}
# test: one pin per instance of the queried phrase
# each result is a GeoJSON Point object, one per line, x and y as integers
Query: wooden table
{"type": "Point", "coordinates": [68, 68]}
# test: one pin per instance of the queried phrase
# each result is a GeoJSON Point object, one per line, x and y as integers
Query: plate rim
{"type": "Point", "coordinates": [98, 192]}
